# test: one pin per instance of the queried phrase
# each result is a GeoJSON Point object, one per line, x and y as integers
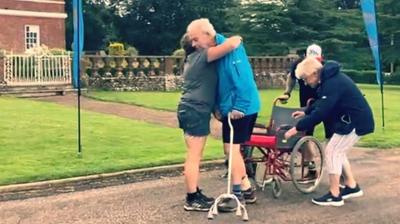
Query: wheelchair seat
{"type": "Point", "coordinates": [266, 141]}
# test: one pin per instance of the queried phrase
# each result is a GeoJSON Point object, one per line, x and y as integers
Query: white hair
{"type": "Point", "coordinates": [307, 67]}
{"type": "Point", "coordinates": [203, 24]}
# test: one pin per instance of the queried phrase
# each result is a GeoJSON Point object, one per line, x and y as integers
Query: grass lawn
{"type": "Point", "coordinates": [388, 137]}
{"type": "Point", "coordinates": [38, 139]}
{"type": "Point", "coordinates": [38, 142]}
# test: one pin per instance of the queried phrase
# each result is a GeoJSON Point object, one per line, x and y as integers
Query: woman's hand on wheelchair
{"type": "Point", "coordinates": [290, 133]}
{"type": "Point", "coordinates": [298, 114]}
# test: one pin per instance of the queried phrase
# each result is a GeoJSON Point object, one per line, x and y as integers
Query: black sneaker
{"type": "Point", "coordinates": [329, 200]}
{"type": "Point", "coordinates": [229, 204]}
{"type": "Point", "coordinates": [310, 177]}
{"type": "Point", "coordinates": [249, 196]}
{"type": "Point", "coordinates": [197, 204]}
{"type": "Point", "coordinates": [208, 200]}
{"type": "Point", "coordinates": [348, 192]}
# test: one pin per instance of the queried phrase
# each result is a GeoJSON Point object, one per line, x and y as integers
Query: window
{"type": "Point", "coordinates": [32, 36]}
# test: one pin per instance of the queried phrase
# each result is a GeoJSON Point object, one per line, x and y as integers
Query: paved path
{"type": "Point", "coordinates": [161, 201]}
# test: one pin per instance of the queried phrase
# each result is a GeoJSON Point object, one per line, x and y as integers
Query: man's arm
{"type": "Point", "coordinates": [217, 52]}
{"type": "Point", "coordinates": [290, 84]}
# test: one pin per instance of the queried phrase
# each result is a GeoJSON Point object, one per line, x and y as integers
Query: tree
{"type": "Point", "coordinates": [348, 4]}
{"type": "Point", "coordinates": [275, 29]}
{"type": "Point", "coordinates": [155, 26]}
{"type": "Point", "coordinates": [99, 22]}
{"type": "Point", "coordinates": [389, 30]}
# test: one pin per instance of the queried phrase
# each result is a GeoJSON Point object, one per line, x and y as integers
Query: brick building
{"type": "Point", "coordinates": [26, 23]}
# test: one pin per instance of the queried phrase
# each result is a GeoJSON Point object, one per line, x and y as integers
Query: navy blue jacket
{"type": "Point", "coordinates": [339, 104]}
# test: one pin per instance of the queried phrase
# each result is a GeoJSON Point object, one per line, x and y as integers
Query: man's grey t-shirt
{"type": "Point", "coordinates": [200, 82]}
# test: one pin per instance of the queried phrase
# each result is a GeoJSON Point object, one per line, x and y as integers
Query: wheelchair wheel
{"type": "Point", "coordinates": [306, 164]}
{"type": "Point", "coordinates": [276, 188]}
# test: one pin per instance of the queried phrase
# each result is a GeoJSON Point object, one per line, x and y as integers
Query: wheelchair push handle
{"type": "Point", "coordinates": [309, 101]}
{"type": "Point", "coordinates": [285, 127]}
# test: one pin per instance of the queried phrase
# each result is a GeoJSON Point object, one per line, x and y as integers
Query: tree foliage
{"type": "Point", "coordinates": [277, 27]}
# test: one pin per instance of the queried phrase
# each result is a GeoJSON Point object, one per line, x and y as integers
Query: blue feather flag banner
{"type": "Point", "coordinates": [78, 39]}
{"type": "Point", "coordinates": [368, 11]}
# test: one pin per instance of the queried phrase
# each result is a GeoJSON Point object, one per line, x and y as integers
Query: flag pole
{"type": "Point", "coordinates": [79, 79]}
{"type": "Point", "coordinates": [381, 80]}
{"type": "Point", "coordinates": [77, 49]}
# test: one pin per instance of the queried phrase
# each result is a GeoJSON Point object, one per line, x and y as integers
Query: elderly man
{"type": "Point", "coordinates": [340, 101]}
{"type": "Point", "coordinates": [237, 96]}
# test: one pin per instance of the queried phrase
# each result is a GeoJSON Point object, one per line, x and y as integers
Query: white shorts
{"type": "Point", "coordinates": [336, 149]}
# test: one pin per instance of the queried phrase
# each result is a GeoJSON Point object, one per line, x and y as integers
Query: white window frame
{"type": "Point", "coordinates": [32, 37]}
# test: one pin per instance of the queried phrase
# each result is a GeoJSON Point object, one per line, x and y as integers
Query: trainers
{"type": "Point", "coordinates": [229, 204]}
{"type": "Point", "coordinates": [208, 200]}
{"type": "Point", "coordinates": [197, 204]}
{"type": "Point", "coordinates": [310, 177]}
{"type": "Point", "coordinates": [249, 196]}
{"type": "Point", "coordinates": [329, 200]}
{"type": "Point", "coordinates": [348, 192]}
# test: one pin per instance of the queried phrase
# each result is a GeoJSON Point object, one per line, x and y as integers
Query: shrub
{"type": "Point", "coordinates": [131, 51]}
{"type": "Point", "coordinates": [368, 76]}
{"type": "Point", "coordinates": [393, 79]}
{"type": "Point", "coordinates": [179, 52]}
{"type": "Point", "coordinates": [58, 51]}
{"type": "Point", "coordinates": [116, 48]}
{"type": "Point", "coordinates": [2, 52]}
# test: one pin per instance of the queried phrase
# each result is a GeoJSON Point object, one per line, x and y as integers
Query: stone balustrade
{"type": "Point", "coordinates": [163, 73]}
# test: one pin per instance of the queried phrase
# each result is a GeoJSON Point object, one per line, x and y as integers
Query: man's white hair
{"type": "Point", "coordinates": [203, 24]}
{"type": "Point", "coordinates": [307, 67]}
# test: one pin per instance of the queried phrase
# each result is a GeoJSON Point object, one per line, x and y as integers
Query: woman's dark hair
{"type": "Point", "coordinates": [186, 45]}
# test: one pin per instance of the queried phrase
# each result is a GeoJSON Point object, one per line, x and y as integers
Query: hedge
{"type": "Point", "coordinates": [369, 76]}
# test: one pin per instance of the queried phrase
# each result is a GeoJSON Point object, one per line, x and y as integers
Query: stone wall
{"type": "Point", "coordinates": [152, 73]}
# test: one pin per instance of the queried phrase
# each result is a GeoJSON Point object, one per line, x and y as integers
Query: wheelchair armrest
{"type": "Point", "coordinates": [260, 129]}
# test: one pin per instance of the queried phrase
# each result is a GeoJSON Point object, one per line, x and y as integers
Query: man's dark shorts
{"type": "Point", "coordinates": [193, 122]}
{"type": "Point", "coordinates": [243, 128]}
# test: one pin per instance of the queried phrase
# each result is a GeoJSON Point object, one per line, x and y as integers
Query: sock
{"type": "Point", "coordinates": [236, 190]}
{"type": "Point", "coordinates": [191, 196]}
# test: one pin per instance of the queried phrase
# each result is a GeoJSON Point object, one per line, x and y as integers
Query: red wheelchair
{"type": "Point", "coordinates": [271, 159]}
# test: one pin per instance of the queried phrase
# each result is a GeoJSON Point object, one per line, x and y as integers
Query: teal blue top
{"type": "Point", "coordinates": [237, 89]}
